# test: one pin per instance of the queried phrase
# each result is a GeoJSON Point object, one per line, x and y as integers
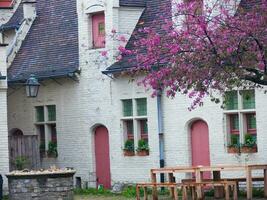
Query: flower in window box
{"type": "Point", "coordinates": [234, 147]}
{"type": "Point", "coordinates": [52, 150]}
{"type": "Point", "coordinates": [250, 145]}
{"type": "Point", "coordinates": [129, 148]}
{"type": "Point", "coordinates": [143, 148]}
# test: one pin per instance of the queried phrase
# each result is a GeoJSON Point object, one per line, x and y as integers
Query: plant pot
{"type": "Point", "coordinates": [249, 149]}
{"type": "Point", "coordinates": [143, 153]}
{"type": "Point", "coordinates": [128, 153]}
{"type": "Point", "coordinates": [232, 150]}
{"type": "Point", "coordinates": [51, 155]}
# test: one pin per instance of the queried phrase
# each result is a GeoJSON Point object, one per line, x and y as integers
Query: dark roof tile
{"type": "Point", "coordinates": [135, 3]}
{"type": "Point", "coordinates": [50, 49]}
{"type": "Point", "coordinates": [149, 16]}
{"type": "Point", "coordinates": [15, 21]}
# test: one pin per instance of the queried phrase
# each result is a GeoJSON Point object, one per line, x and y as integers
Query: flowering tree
{"type": "Point", "coordinates": [203, 48]}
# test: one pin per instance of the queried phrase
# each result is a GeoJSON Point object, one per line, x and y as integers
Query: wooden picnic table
{"type": "Point", "coordinates": [216, 170]}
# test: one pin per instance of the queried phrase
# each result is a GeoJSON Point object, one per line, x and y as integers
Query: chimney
{"type": "Point", "coordinates": [29, 9]}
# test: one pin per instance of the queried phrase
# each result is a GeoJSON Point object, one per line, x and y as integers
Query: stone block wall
{"type": "Point", "coordinates": [41, 187]}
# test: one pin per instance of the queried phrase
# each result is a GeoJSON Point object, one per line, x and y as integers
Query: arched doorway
{"type": "Point", "coordinates": [15, 132]}
{"type": "Point", "coordinates": [102, 158]}
{"type": "Point", "coordinates": [200, 144]}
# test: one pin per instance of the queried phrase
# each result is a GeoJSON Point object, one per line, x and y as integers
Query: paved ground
{"type": "Point", "coordinates": [123, 198]}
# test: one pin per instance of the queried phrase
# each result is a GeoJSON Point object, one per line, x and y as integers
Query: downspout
{"type": "Point", "coordinates": [160, 133]}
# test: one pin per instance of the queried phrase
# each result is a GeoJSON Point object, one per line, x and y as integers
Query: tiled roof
{"type": "Point", "coordinates": [135, 3]}
{"type": "Point", "coordinates": [151, 13]}
{"type": "Point", "coordinates": [147, 19]}
{"type": "Point", "coordinates": [248, 4]}
{"type": "Point", "coordinates": [50, 49]}
{"type": "Point", "coordinates": [15, 21]}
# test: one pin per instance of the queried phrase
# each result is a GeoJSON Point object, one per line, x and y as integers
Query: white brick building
{"type": "Point", "coordinates": [76, 99]}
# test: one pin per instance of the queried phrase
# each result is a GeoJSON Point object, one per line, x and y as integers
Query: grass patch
{"type": "Point", "coordinates": [92, 191]}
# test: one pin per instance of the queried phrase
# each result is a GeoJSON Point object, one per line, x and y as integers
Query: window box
{"type": "Point", "coordinates": [143, 148]}
{"type": "Point", "coordinates": [143, 153]}
{"type": "Point", "coordinates": [233, 149]}
{"type": "Point", "coordinates": [246, 149]}
{"type": "Point", "coordinates": [128, 153]}
{"type": "Point", "coordinates": [129, 148]}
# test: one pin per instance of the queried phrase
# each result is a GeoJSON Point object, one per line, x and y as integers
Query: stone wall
{"type": "Point", "coordinates": [41, 187]}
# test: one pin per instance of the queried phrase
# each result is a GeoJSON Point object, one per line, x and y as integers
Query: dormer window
{"type": "Point", "coordinates": [5, 4]}
{"type": "Point", "coordinates": [98, 29]}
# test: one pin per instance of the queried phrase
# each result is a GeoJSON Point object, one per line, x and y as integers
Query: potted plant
{"type": "Point", "coordinates": [52, 150]}
{"type": "Point", "coordinates": [129, 148]}
{"type": "Point", "coordinates": [234, 146]}
{"type": "Point", "coordinates": [250, 145]}
{"type": "Point", "coordinates": [143, 149]}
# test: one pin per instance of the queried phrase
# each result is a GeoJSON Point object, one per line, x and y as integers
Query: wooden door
{"type": "Point", "coordinates": [98, 25]}
{"type": "Point", "coordinates": [200, 145]}
{"type": "Point", "coordinates": [102, 157]}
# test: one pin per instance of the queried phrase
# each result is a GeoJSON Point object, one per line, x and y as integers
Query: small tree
{"type": "Point", "coordinates": [202, 48]}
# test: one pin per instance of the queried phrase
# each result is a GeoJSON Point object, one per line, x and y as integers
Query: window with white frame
{"type": "Point", "coordinates": [134, 120]}
{"type": "Point", "coordinates": [45, 123]}
{"type": "Point", "coordinates": [240, 114]}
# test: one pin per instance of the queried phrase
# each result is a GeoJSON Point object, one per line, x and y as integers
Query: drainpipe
{"type": "Point", "coordinates": [160, 133]}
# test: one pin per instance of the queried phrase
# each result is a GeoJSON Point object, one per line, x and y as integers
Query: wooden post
{"type": "Point", "coordinates": [175, 194]}
{"type": "Point", "coordinates": [235, 192]}
{"type": "Point", "coordinates": [218, 190]}
{"type": "Point", "coordinates": [145, 193]}
{"type": "Point", "coordinates": [184, 188]}
{"type": "Point", "coordinates": [199, 180]}
{"type": "Point", "coordinates": [170, 175]}
{"type": "Point", "coordinates": [154, 188]}
{"type": "Point", "coordinates": [227, 195]}
{"type": "Point", "coordinates": [265, 182]}
{"type": "Point", "coordinates": [137, 193]}
{"type": "Point", "coordinates": [249, 183]}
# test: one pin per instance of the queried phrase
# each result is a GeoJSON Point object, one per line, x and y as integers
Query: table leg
{"type": "Point", "coordinates": [218, 190]}
{"type": "Point", "coordinates": [199, 180]}
{"type": "Point", "coordinates": [154, 188]}
{"type": "Point", "coordinates": [145, 193]}
{"type": "Point", "coordinates": [249, 183]}
{"type": "Point", "coordinates": [235, 192]}
{"type": "Point", "coordinates": [137, 193]}
{"type": "Point", "coordinates": [265, 182]}
{"type": "Point", "coordinates": [227, 195]}
{"type": "Point", "coordinates": [171, 180]}
{"type": "Point", "coordinates": [176, 197]}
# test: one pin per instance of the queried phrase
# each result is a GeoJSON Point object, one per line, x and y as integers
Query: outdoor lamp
{"type": "Point", "coordinates": [32, 86]}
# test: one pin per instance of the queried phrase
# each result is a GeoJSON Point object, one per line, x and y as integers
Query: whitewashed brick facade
{"type": "Point", "coordinates": [96, 100]}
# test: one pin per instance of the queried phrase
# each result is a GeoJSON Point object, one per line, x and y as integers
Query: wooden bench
{"type": "Point", "coordinates": [237, 180]}
{"type": "Point", "coordinates": [172, 186]}
{"type": "Point", "coordinates": [192, 186]}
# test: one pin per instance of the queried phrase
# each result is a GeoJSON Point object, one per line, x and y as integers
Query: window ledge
{"type": "Point", "coordinates": [240, 111]}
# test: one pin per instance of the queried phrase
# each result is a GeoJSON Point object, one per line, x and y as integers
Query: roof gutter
{"type": "Point", "coordinates": [41, 78]}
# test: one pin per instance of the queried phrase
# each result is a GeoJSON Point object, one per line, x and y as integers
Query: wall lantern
{"type": "Point", "coordinates": [32, 86]}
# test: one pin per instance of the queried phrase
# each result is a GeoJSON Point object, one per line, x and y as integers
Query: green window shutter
{"type": "Point", "coordinates": [127, 107]}
{"type": "Point", "coordinates": [51, 112]}
{"type": "Point", "coordinates": [141, 107]}
{"type": "Point", "coordinates": [248, 97]}
{"type": "Point", "coordinates": [39, 111]}
{"type": "Point", "coordinates": [231, 100]}
{"type": "Point", "coordinates": [251, 120]}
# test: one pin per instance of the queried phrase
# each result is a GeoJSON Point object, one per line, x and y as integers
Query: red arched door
{"type": "Point", "coordinates": [102, 157]}
{"type": "Point", "coordinates": [200, 144]}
